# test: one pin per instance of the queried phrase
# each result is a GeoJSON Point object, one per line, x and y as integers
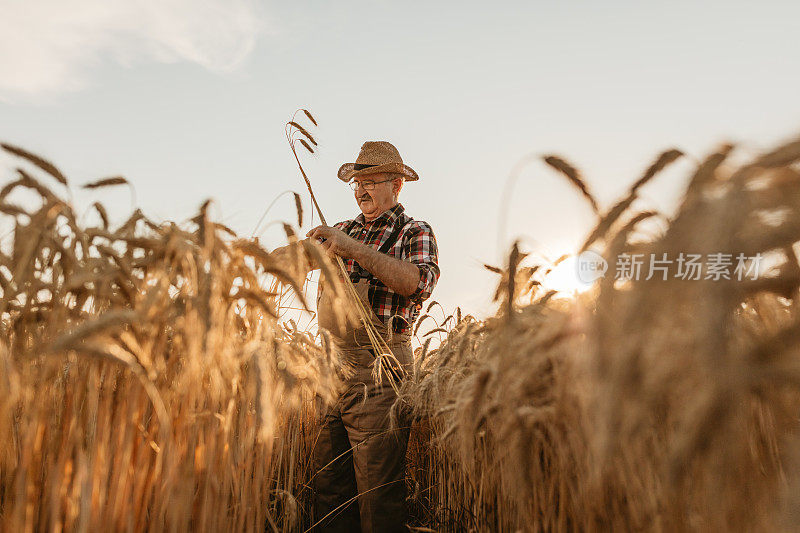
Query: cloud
{"type": "Point", "coordinates": [48, 47]}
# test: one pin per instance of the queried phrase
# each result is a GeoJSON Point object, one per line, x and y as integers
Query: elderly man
{"type": "Point", "coordinates": [392, 260]}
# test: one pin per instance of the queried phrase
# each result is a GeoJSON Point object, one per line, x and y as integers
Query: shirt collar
{"type": "Point", "coordinates": [387, 217]}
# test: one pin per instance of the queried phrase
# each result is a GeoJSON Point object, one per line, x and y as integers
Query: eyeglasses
{"type": "Point", "coordinates": [367, 185]}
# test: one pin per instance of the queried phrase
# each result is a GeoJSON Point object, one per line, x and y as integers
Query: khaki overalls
{"type": "Point", "coordinates": [356, 453]}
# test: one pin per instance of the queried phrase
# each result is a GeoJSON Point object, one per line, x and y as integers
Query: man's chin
{"type": "Point", "coordinates": [366, 207]}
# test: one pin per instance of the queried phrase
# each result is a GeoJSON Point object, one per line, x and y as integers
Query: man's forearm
{"type": "Point", "coordinates": [400, 276]}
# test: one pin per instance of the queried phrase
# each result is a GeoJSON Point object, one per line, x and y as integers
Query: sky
{"type": "Point", "coordinates": [188, 99]}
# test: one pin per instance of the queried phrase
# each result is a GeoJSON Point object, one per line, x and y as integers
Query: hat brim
{"type": "Point", "coordinates": [348, 171]}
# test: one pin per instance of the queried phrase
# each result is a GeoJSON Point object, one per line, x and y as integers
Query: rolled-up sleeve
{"type": "Point", "coordinates": [419, 247]}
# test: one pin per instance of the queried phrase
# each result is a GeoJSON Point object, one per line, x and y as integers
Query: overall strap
{"type": "Point", "coordinates": [390, 242]}
{"type": "Point", "coordinates": [392, 239]}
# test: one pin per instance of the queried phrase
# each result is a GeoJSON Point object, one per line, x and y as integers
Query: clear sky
{"type": "Point", "coordinates": [188, 100]}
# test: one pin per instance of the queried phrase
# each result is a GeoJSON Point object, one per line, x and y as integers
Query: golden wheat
{"type": "Point", "coordinates": [147, 383]}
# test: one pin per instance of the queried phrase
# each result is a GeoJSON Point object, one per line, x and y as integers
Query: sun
{"type": "Point", "coordinates": [564, 278]}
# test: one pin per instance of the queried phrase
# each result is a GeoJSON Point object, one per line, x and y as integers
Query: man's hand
{"type": "Point", "coordinates": [295, 260]}
{"type": "Point", "coordinates": [335, 241]}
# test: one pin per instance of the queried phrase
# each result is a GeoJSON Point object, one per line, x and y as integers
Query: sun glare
{"type": "Point", "coordinates": [564, 278]}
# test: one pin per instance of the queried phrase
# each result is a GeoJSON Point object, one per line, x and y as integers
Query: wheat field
{"type": "Point", "coordinates": [148, 383]}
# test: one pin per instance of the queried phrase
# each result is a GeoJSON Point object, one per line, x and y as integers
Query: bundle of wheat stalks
{"type": "Point", "coordinates": [643, 405]}
{"type": "Point", "coordinates": [147, 382]}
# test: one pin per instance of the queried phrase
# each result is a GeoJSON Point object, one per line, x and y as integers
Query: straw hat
{"type": "Point", "coordinates": [374, 157]}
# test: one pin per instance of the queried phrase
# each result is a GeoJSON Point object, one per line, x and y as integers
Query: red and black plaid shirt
{"type": "Point", "coordinates": [415, 244]}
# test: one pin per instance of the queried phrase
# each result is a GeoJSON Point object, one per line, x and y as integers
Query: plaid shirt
{"type": "Point", "coordinates": [415, 244]}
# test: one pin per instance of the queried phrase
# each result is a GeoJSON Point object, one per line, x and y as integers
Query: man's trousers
{"type": "Point", "coordinates": [359, 462]}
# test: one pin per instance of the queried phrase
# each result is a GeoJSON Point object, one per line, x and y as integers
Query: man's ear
{"type": "Point", "coordinates": [397, 185]}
